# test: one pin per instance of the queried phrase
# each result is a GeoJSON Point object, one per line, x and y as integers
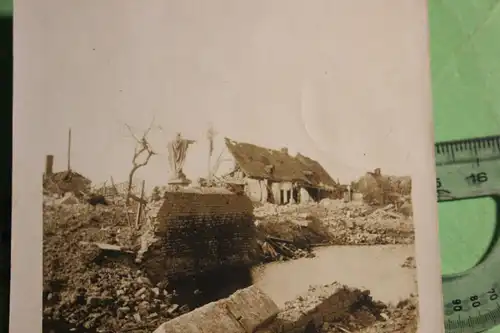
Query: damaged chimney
{"type": "Point", "coordinates": [49, 165]}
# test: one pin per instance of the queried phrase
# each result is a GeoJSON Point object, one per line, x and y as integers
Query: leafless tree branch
{"type": "Point", "coordinates": [143, 147]}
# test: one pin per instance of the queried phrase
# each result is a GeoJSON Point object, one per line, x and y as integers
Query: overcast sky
{"type": "Point", "coordinates": [338, 81]}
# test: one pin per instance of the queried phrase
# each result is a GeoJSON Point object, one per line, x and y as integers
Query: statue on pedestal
{"type": "Point", "coordinates": [177, 150]}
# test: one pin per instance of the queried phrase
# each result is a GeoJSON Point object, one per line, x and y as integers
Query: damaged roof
{"type": "Point", "coordinates": [319, 175]}
{"type": "Point", "coordinates": [277, 165]}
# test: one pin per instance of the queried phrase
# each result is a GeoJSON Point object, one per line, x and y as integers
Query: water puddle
{"type": "Point", "coordinates": [377, 268]}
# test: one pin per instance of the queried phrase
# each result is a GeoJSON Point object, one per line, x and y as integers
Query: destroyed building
{"type": "Point", "coordinates": [62, 182]}
{"type": "Point", "coordinates": [275, 176]}
{"type": "Point", "coordinates": [380, 189]}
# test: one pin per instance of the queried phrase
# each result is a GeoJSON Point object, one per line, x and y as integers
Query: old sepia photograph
{"type": "Point", "coordinates": [228, 166]}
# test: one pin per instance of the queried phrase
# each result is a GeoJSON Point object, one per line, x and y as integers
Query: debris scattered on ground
{"type": "Point", "coordinates": [91, 283]}
{"type": "Point", "coordinates": [349, 310]}
{"type": "Point", "coordinates": [291, 231]}
{"type": "Point", "coordinates": [401, 318]}
{"type": "Point", "coordinates": [380, 189]}
{"type": "Point", "coordinates": [275, 249]}
{"type": "Point", "coordinates": [69, 181]}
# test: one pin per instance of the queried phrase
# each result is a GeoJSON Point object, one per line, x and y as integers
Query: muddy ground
{"type": "Point", "coordinates": [89, 289]}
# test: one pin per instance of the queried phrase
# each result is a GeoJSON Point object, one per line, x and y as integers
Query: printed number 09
{"type": "Point", "coordinates": [457, 305]}
{"type": "Point", "coordinates": [493, 294]}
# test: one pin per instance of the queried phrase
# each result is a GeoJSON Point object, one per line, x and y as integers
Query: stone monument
{"type": "Point", "coordinates": [177, 150]}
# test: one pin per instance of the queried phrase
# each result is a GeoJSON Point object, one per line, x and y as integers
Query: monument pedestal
{"type": "Point", "coordinates": [179, 180]}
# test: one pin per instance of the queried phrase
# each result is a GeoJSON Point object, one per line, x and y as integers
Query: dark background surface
{"type": "Point", "coordinates": [5, 200]}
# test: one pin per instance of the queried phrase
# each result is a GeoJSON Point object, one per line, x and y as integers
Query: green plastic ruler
{"type": "Point", "coordinates": [466, 102]}
{"type": "Point", "coordinates": [468, 169]}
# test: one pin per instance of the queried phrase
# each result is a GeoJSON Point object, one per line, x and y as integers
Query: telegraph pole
{"type": "Point", "coordinates": [69, 150]}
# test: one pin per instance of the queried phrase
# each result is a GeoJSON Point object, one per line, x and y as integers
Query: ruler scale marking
{"type": "Point", "coordinates": [467, 169]}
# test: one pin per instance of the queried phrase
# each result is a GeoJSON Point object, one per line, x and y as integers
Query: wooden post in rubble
{"type": "Point", "coordinates": [210, 137]}
{"type": "Point", "coordinates": [209, 176]}
{"type": "Point", "coordinates": [113, 186]}
{"type": "Point", "coordinates": [69, 150]}
{"type": "Point", "coordinates": [49, 165]}
{"type": "Point", "coordinates": [139, 209]}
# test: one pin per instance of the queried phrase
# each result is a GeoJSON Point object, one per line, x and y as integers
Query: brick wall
{"type": "Point", "coordinates": [199, 232]}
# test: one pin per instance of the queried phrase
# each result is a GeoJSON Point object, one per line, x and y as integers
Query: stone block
{"type": "Point", "coordinates": [211, 318]}
{"type": "Point", "coordinates": [252, 308]}
{"type": "Point", "coordinates": [243, 312]}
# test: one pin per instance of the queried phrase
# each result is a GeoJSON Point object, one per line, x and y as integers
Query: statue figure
{"type": "Point", "coordinates": [176, 157]}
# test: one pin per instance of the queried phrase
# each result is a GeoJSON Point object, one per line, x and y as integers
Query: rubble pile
{"type": "Point", "coordinates": [348, 310]}
{"type": "Point", "coordinates": [90, 280]}
{"type": "Point", "coordinates": [379, 189]}
{"type": "Point", "coordinates": [66, 182]}
{"type": "Point", "coordinates": [117, 193]}
{"type": "Point", "coordinates": [368, 316]}
{"type": "Point", "coordinates": [401, 318]}
{"type": "Point", "coordinates": [276, 249]}
{"type": "Point", "coordinates": [330, 222]}
{"type": "Point", "coordinates": [70, 221]}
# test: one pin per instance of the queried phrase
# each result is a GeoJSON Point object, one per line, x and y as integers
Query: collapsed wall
{"type": "Point", "coordinates": [195, 231]}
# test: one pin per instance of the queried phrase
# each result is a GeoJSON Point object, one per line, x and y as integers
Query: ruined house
{"type": "Point", "coordinates": [268, 175]}
{"type": "Point", "coordinates": [381, 189]}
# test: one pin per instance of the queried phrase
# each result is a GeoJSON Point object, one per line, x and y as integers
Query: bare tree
{"type": "Point", "coordinates": [142, 148]}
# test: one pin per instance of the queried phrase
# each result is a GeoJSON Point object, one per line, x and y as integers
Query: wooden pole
{"type": "Point", "coordinates": [139, 210]}
{"type": "Point", "coordinates": [49, 165]}
{"type": "Point", "coordinates": [210, 136]}
{"type": "Point", "coordinates": [115, 190]}
{"type": "Point", "coordinates": [209, 167]}
{"type": "Point", "coordinates": [209, 161]}
{"type": "Point", "coordinates": [69, 150]}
